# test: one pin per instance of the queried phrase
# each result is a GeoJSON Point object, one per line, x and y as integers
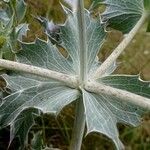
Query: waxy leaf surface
{"type": "Point", "coordinates": [95, 38]}
{"type": "Point", "coordinates": [102, 111]}
{"type": "Point", "coordinates": [30, 91]}
{"type": "Point", "coordinates": [122, 14]}
{"type": "Point", "coordinates": [22, 125]}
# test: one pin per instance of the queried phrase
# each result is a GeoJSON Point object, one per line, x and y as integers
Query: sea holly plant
{"type": "Point", "coordinates": [45, 81]}
{"type": "Point", "coordinates": [11, 29]}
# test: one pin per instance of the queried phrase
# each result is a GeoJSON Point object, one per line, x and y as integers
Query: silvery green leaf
{"type": "Point", "coordinates": [30, 91]}
{"type": "Point", "coordinates": [103, 112]}
{"type": "Point", "coordinates": [20, 9]}
{"type": "Point", "coordinates": [6, 29]}
{"type": "Point", "coordinates": [37, 142]}
{"type": "Point", "coordinates": [46, 55]}
{"type": "Point", "coordinates": [5, 32]}
{"type": "Point", "coordinates": [122, 14]}
{"type": "Point", "coordinates": [21, 30]}
{"type": "Point", "coordinates": [100, 118]}
{"type": "Point", "coordinates": [111, 69]}
{"type": "Point", "coordinates": [128, 83]}
{"type": "Point", "coordinates": [4, 17]}
{"type": "Point", "coordinates": [17, 35]}
{"type": "Point", "coordinates": [21, 126]}
{"type": "Point", "coordinates": [131, 83]}
{"type": "Point", "coordinates": [50, 28]}
{"type": "Point", "coordinates": [67, 36]}
{"type": "Point", "coordinates": [95, 3]}
{"type": "Point", "coordinates": [72, 3]}
{"type": "Point", "coordinates": [95, 36]}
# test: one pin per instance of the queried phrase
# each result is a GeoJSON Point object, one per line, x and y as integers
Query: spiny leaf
{"type": "Point", "coordinates": [21, 126]}
{"type": "Point", "coordinates": [99, 117]}
{"type": "Point", "coordinates": [122, 14]}
{"type": "Point", "coordinates": [21, 30]}
{"type": "Point", "coordinates": [16, 35]}
{"type": "Point", "coordinates": [72, 3]}
{"type": "Point", "coordinates": [10, 32]}
{"type": "Point", "coordinates": [49, 95]}
{"type": "Point", "coordinates": [32, 91]}
{"type": "Point", "coordinates": [37, 141]}
{"type": "Point", "coordinates": [70, 39]}
{"type": "Point", "coordinates": [95, 3]}
{"type": "Point", "coordinates": [50, 28]}
{"type": "Point", "coordinates": [20, 9]}
{"type": "Point", "coordinates": [6, 28]}
{"type": "Point", "coordinates": [44, 54]}
{"type": "Point", "coordinates": [131, 83]}
{"type": "Point", "coordinates": [103, 112]}
{"type": "Point", "coordinates": [4, 17]}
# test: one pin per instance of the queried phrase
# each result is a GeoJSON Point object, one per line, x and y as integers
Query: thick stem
{"type": "Point", "coordinates": [82, 41]}
{"type": "Point", "coordinates": [120, 48]}
{"type": "Point", "coordinates": [135, 99]}
{"type": "Point", "coordinates": [11, 65]}
{"type": "Point", "coordinates": [79, 126]}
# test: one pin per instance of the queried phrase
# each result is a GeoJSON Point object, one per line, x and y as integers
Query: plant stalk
{"type": "Point", "coordinates": [135, 99]}
{"type": "Point", "coordinates": [82, 41]}
{"type": "Point", "coordinates": [120, 48]}
{"type": "Point", "coordinates": [70, 81]}
{"type": "Point", "coordinates": [79, 126]}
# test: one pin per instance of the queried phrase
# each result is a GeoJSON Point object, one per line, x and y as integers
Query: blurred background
{"type": "Point", "coordinates": [134, 60]}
